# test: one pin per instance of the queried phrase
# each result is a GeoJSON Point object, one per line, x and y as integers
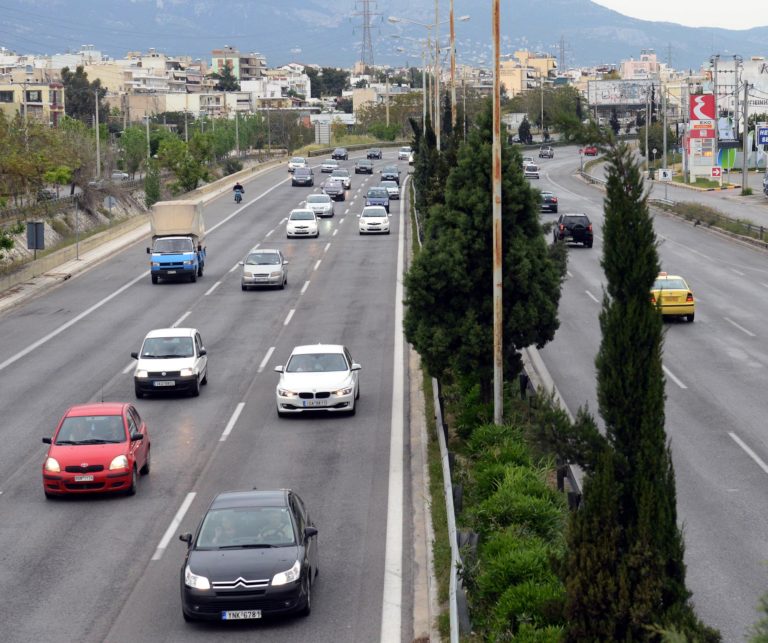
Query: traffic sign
{"type": "Point", "coordinates": [762, 135]}
{"type": "Point", "coordinates": [665, 174]}
{"type": "Point", "coordinates": [715, 172]}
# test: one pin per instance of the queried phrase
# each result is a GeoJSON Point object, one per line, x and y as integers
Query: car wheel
{"type": "Point", "coordinates": [280, 414]}
{"type": "Point", "coordinates": [200, 269]}
{"type": "Point", "coordinates": [193, 277]}
{"type": "Point", "coordinates": [204, 381]}
{"type": "Point", "coordinates": [243, 287]}
{"type": "Point", "coordinates": [588, 244]}
{"type": "Point", "coordinates": [195, 388]}
{"type": "Point", "coordinates": [282, 284]}
{"type": "Point", "coordinates": [353, 410]}
{"type": "Point", "coordinates": [306, 610]}
{"type": "Point", "coordinates": [357, 394]}
{"type": "Point", "coordinates": [134, 482]}
{"type": "Point", "coordinates": [187, 617]}
{"type": "Point", "coordinates": [49, 496]}
{"type": "Point", "coordinates": [554, 211]}
{"type": "Point", "coordinates": [148, 464]}
{"type": "Point", "coordinates": [138, 392]}
{"type": "Point", "coordinates": [154, 279]}
{"type": "Point", "coordinates": [690, 318]}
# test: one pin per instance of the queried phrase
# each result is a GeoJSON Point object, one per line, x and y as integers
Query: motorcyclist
{"type": "Point", "coordinates": [239, 190]}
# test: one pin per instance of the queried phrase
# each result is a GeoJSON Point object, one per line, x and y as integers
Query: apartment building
{"type": "Point", "coordinates": [42, 102]}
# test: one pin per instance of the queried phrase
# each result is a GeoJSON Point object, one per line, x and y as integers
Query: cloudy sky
{"type": "Point", "coordinates": [743, 14]}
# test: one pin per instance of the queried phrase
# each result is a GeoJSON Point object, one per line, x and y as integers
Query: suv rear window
{"type": "Point", "coordinates": [576, 218]}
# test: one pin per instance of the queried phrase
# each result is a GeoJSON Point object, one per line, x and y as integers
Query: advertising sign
{"type": "Point", "coordinates": [608, 93]}
{"type": "Point", "coordinates": [762, 135]}
{"type": "Point", "coordinates": [702, 107]}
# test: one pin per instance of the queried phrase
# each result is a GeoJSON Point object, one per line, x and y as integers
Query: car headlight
{"type": "Point", "coordinates": [289, 576]}
{"type": "Point", "coordinates": [155, 264]}
{"type": "Point", "coordinates": [284, 392]}
{"type": "Point", "coordinates": [194, 580]}
{"type": "Point", "coordinates": [343, 391]}
{"type": "Point", "coordinates": [120, 462]}
{"type": "Point", "coordinates": [51, 464]}
{"type": "Point", "coordinates": [276, 273]}
{"type": "Point", "coordinates": [189, 262]}
{"type": "Point", "coordinates": [142, 375]}
{"type": "Point", "coordinates": [186, 372]}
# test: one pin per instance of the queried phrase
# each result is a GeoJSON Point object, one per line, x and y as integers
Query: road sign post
{"type": "Point", "coordinates": [716, 172]}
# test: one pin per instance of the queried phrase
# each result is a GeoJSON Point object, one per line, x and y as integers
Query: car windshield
{"type": "Point", "coordinates": [405, 149]}
{"type": "Point", "coordinates": [340, 173]}
{"type": "Point", "coordinates": [377, 193]}
{"type": "Point", "coordinates": [316, 363]}
{"type": "Point", "coordinates": [669, 284]}
{"type": "Point", "coordinates": [174, 246]}
{"type": "Point", "coordinates": [243, 527]}
{"type": "Point", "coordinates": [390, 169]}
{"type": "Point", "coordinates": [374, 212]}
{"type": "Point", "coordinates": [167, 347]}
{"type": "Point", "coordinates": [364, 162]}
{"type": "Point", "coordinates": [298, 159]}
{"type": "Point", "coordinates": [302, 215]}
{"type": "Point", "coordinates": [92, 429]}
{"type": "Point", "coordinates": [302, 171]}
{"type": "Point", "coordinates": [263, 259]}
{"type": "Point", "coordinates": [318, 198]}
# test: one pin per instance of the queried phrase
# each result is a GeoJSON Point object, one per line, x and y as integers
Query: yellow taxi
{"type": "Point", "coordinates": [673, 296]}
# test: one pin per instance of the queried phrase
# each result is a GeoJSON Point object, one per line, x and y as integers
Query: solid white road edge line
{"type": "Point", "coordinates": [231, 424]}
{"type": "Point", "coordinates": [212, 288]}
{"type": "Point", "coordinates": [749, 451]}
{"type": "Point", "coordinates": [741, 328]}
{"type": "Point", "coordinates": [181, 319]}
{"type": "Point", "coordinates": [266, 358]}
{"type": "Point", "coordinates": [673, 377]}
{"type": "Point", "coordinates": [392, 600]}
{"type": "Point", "coordinates": [304, 287]}
{"type": "Point", "coordinates": [173, 526]}
{"type": "Point", "coordinates": [289, 317]}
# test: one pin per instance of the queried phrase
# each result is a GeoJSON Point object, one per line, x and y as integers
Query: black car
{"type": "Point", "coordinates": [574, 227]}
{"type": "Point", "coordinates": [378, 196]}
{"type": "Point", "coordinates": [548, 202]}
{"type": "Point", "coordinates": [373, 153]}
{"type": "Point", "coordinates": [254, 554]}
{"type": "Point", "coordinates": [364, 166]}
{"type": "Point", "coordinates": [303, 176]}
{"type": "Point", "coordinates": [390, 173]}
{"type": "Point", "coordinates": [340, 154]}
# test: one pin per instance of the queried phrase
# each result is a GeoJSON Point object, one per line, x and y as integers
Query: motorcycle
{"type": "Point", "coordinates": [238, 196]}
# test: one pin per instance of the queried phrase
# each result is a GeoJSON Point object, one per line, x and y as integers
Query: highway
{"type": "Point", "coordinates": [107, 568]}
{"type": "Point", "coordinates": [716, 373]}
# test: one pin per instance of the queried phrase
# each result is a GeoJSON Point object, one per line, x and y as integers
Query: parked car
{"type": "Point", "coordinates": [334, 188]}
{"type": "Point", "coordinates": [590, 150]}
{"type": "Point", "coordinates": [45, 194]}
{"type": "Point", "coordinates": [404, 153]}
{"type": "Point", "coordinates": [377, 196]}
{"type": "Point", "coordinates": [296, 162]}
{"type": "Point", "coordinates": [303, 176]}
{"type": "Point", "coordinates": [318, 377]}
{"type": "Point", "coordinates": [343, 174]}
{"type": "Point", "coordinates": [264, 267]}
{"type": "Point", "coordinates": [329, 165]}
{"type": "Point", "coordinates": [96, 448]}
{"type": "Point", "coordinates": [364, 166]}
{"type": "Point", "coordinates": [548, 202]}
{"type": "Point", "coordinates": [531, 171]}
{"type": "Point", "coordinates": [120, 176]}
{"type": "Point", "coordinates": [546, 152]}
{"type": "Point", "coordinates": [374, 219]}
{"type": "Point", "coordinates": [171, 360]}
{"type": "Point", "coordinates": [340, 154]}
{"type": "Point", "coordinates": [254, 554]}
{"type": "Point", "coordinates": [574, 227]}
{"type": "Point", "coordinates": [373, 153]}
{"type": "Point", "coordinates": [392, 188]}
{"type": "Point", "coordinates": [673, 296]}
{"type": "Point", "coordinates": [321, 204]}
{"type": "Point", "coordinates": [302, 222]}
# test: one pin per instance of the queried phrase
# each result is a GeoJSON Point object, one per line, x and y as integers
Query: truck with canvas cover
{"type": "Point", "coordinates": [178, 232]}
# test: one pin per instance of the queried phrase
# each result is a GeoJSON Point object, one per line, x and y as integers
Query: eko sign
{"type": "Point", "coordinates": [702, 115]}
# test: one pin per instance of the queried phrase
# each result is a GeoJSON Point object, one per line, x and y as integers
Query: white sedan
{"type": "Point", "coordinates": [374, 218]}
{"type": "Point", "coordinates": [319, 377]}
{"type": "Point", "coordinates": [329, 165]}
{"type": "Point", "coordinates": [302, 223]}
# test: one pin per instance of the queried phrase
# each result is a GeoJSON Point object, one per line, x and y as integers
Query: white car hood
{"type": "Point", "coordinates": [315, 381]}
{"type": "Point", "coordinates": [170, 364]}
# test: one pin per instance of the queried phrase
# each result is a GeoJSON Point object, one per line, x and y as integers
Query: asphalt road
{"type": "Point", "coordinates": [99, 569]}
{"type": "Point", "coordinates": [716, 405]}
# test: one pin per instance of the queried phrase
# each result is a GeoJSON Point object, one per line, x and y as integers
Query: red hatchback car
{"type": "Point", "coordinates": [590, 150]}
{"type": "Point", "coordinates": [96, 448]}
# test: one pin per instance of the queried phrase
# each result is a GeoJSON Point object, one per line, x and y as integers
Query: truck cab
{"type": "Point", "coordinates": [178, 232]}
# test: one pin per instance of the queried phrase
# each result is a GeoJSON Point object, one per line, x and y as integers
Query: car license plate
{"type": "Point", "coordinates": [310, 403]}
{"type": "Point", "coordinates": [165, 383]}
{"type": "Point", "coordinates": [240, 615]}
{"type": "Point", "coordinates": [83, 478]}
{"type": "Point", "coordinates": [171, 272]}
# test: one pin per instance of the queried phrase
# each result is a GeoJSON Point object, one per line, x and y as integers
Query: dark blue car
{"type": "Point", "coordinates": [378, 196]}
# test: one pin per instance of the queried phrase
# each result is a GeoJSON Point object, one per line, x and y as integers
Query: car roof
{"type": "Point", "coordinates": [252, 498]}
{"type": "Point", "coordinates": [378, 208]}
{"type": "Point", "coordinates": [340, 170]}
{"type": "Point", "coordinates": [307, 210]}
{"type": "Point", "coordinates": [172, 332]}
{"type": "Point", "coordinates": [96, 408]}
{"type": "Point", "coordinates": [664, 275]}
{"type": "Point", "coordinates": [269, 251]}
{"type": "Point", "coordinates": [309, 349]}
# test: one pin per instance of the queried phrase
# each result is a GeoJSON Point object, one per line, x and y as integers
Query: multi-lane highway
{"type": "Point", "coordinates": [107, 568]}
{"type": "Point", "coordinates": [716, 376]}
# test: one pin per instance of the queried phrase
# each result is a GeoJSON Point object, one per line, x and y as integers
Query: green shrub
{"type": "Point", "coordinates": [59, 227]}
{"type": "Point", "coordinates": [530, 602]}
{"type": "Point", "coordinates": [232, 165]}
{"type": "Point", "coordinates": [531, 634]}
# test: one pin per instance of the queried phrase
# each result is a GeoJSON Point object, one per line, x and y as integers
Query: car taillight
{"type": "Point", "coordinates": [554, 199]}
{"type": "Point", "coordinates": [589, 227]}
{"type": "Point", "coordinates": [653, 299]}
{"type": "Point", "coordinates": [689, 297]}
{"type": "Point", "coordinates": [562, 227]}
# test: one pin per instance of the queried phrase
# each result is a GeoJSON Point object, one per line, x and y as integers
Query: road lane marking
{"type": "Point", "coordinates": [304, 287]}
{"type": "Point", "coordinates": [673, 377]}
{"type": "Point", "coordinates": [70, 323]}
{"type": "Point", "coordinates": [173, 526]}
{"type": "Point", "coordinates": [129, 367]}
{"type": "Point", "coordinates": [317, 265]}
{"type": "Point", "coordinates": [327, 245]}
{"type": "Point", "coordinates": [289, 317]}
{"type": "Point", "coordinates": [749, 451]}
{"type": "Point", "coordinates": [741, 328]}
{"type": "Point", "coordinates": [738, 272]}
{"type": "Point", "coordinates": [568, 272]}
{"type": "Point", "coordinates": [346, 211]}
{"type": "Point", "coordinates": [232, 421]}
{"type": "Point", "coordinates": [270, 232]}
{"type": "Point", "coordinates": [341, 220]}
{"type": "Point", "coordinates": [333, 234]}
{"type": "Point", "coordinates": [392, 599]}
{"type": "Point", "coordinates": [243, 207]}
{"type": "Point", "coordinates": [181, 319]}
{"type": "Point", "coordinates": [266, 359]}
{"type": "Point", "coordinates": [592, 297]}
{"type": "Point", "coordinates": [235, 267]}
{"type": "Point", "coordinates": [212, 288]}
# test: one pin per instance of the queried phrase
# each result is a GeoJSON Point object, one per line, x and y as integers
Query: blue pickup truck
{"type": "Point", "coordinates": [178, 233]}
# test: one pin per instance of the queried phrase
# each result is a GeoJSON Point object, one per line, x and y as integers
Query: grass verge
{"type": "Point", "coordinates": [704, 215]}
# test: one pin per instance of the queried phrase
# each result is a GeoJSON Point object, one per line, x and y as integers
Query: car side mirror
{"type": "Point", "coordinates": [137, 437]}
{"type": "Point", "coordinates": [135, 355]}
{"type": "Point", "coordinates": [241, 263]}
{"type": "Point", "coordinates": [47, 441]}
{"type": "Point", "coordinates": [149, 251]}
{"type": "Point", "coordinates": [186, 538]}
{"type": "Point", "coordinates": [285, 263]}
{"type": "Point", "coordinates": [203, 352]}
{"type": "Point", "coordinates": [355, 367]}
{"type": "Point", "coordinates": [309, 532]}
{"type": "Point", "coordinates": [278, 369]}
{"type": "Point", "coordinates": [358, 216]}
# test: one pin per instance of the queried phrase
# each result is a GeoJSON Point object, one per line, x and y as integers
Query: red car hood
{"type": "Point", "coordinates": [77, 455]}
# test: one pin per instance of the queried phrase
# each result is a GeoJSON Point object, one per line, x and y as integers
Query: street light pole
{"type": "Point", "coordinates": [498, 363]}
{"type": "Point", "coordinates": [98, 138]}
{"type": "Point", "coordinates": [453, 70]}
{"type": "Point", "coordinates": [437, 75]}
{"type": "Point", "coordinates": [664, 143]}
{"type": "Point", "coordinates": [387, 95]}
{"type": "Point", "coordinates": [744, 140]}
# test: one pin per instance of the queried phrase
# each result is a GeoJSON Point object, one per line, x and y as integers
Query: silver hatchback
{"type": "Point", "coordinates": [321, 205]}
{"type": "Point", "coordinates": [263, 267]}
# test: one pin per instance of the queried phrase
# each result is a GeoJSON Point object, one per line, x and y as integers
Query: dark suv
{"type": "Point", "coordinates": [364, 166]}
{"type": "Point", "coordinates": [373, 153]}
{"type": "Point", "coordinates": [340, 154]}
{"type": "Point", "coordinates": [574, 227]}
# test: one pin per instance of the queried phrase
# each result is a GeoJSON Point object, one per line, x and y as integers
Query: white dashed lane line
{"type": "Point", "coordinates": [232, 421]}
{"type": "Point", "coordinates": [673, 377]}
{"type": "Point", "coordinates": [592, 297]}
{"type": "Point", "coordinates": [741, 328]}
{"type": "Point", "coordinates": [266, 358]}
{"type": "Point", "coordinates": [327, 245]}
{"type": "Point", "coordinates": [758, 460]}
{"type": "Point", "coordinates": [181, 319]}
{"type": "Point", "coordinates": [305, 286]}
{"type": "Point", "coordinates": [317, 265]}
{"type": "Point", "coordinates": [738, 272]}
{"type": "Point", "coordinates": [334, 232]}
{"type": "Point", "coordinates": [212, 288]}
{"type": "Point", "coordinates": [270, 232]}
{"type": "Point", "coordinates": [173, 526]}
{"type": "Point", "coordinates": [289, 317]}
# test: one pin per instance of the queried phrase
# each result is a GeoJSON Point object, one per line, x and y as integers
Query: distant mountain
{"type": "Point", "coordinates": [330, 32]}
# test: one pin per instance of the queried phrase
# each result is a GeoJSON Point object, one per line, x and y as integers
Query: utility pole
{"type": "Point", "coordinates": [237, 132]}
{"type": "Point", "coordinates": [686, 146]}
{"type": "Point", "coordinates": [186, 129]}
{"type": "Point", "coordinates": [744, 140]}
{"type": "Point", "coordinates": [647, 127]}
{"type": "Point", "coordinates": [664, 143]}
{"type": "Point", "coordinates": [387, 94]}
{"type": "Point", "coordinates": [541, 78]}
{"type": "Point", "coordinates": [149, 147]}
{"type": "Point", "coordinates": [98, 138]}
{"type": "Point", "coordinates": [714, 60]}
{"type": "Point", "coordinates": [437, 75]}
{"type": "Point", "coordinates": [425, 95]}
{"type": "Point", "coordinates": [453, 71]}
{"type": "Point", "coordinates": [498, 328]}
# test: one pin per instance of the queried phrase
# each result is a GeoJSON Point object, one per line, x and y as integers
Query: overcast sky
{"type": "Point", "coordinates": [742, 14]}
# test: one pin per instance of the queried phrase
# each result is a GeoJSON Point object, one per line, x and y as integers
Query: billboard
{"type": "Point", "coordinates": [702, 107]}
{"type": "Point", "coordinates": [610, 93]}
